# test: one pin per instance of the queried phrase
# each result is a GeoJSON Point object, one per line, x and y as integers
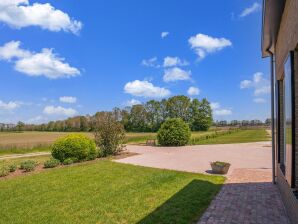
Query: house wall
{"type": "Point", "coordinates": [288, 197]}
{"type": "Point", "coordinates": [287, 36]}
{"type": "Point", "coordinates": [296, 114]}
{"type": "Point", "coordinates": [287, 41]}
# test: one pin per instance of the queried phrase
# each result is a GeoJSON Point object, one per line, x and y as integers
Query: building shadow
{"type": "Point", "coordinates": [186, 206]}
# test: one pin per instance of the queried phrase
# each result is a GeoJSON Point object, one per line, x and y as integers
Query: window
{"type": "Point", "coordinates": [289, 120]}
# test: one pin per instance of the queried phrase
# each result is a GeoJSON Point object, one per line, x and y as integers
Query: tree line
{"type": "Point", "coordinates": [146, 117]}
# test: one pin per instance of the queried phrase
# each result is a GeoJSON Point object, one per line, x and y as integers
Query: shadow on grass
{"type": "Point", "coordinates": [186, 206]}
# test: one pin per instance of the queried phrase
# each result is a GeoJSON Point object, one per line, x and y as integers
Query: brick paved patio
{"type": "Point", "coordinates": [248, 197]}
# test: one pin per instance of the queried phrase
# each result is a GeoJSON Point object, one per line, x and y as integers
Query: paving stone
{"type": "Point", "coordinates": [247, 197]}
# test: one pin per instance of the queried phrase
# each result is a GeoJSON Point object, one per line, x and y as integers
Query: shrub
{"type": "Point", "coordinates": [76, 146]}
{"type": "Point", "coordinates": [109, 134]}
{"type": "Point", "coordinates": [68, 161]}
{"type": "Point", "coordinates": [28, 165]}
{"type": "Point", "coordinates": [51, 163]}
{"type": "Point", "coordinates": [4, 171]}
{"type": "Point", "coordinates": [12, 168]}
{"type": "Point", "coordinates": [174, 132]}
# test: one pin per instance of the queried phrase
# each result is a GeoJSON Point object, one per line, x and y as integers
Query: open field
{"type": "Point", "coordinates": [83, 193]}
{"type": "Point", "coordinates": [24, 142]}
{"type": "Point", "coordinates": [242, 136]}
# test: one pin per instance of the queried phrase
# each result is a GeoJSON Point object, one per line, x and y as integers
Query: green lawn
{"type": "Point", "coordinates": [107, 192]}
{"type": "Point", "coordinates": [241, 136]}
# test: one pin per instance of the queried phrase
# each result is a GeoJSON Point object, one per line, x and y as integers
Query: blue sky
{"type": "Point", "coordinates": [64, 58]}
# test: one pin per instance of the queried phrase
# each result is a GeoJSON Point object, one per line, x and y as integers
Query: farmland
{"type": "Point", "coordinates": [24, 142]}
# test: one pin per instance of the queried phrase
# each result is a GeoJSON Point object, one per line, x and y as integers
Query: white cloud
{"type": "Point", "coordinates": [252, 9]}
{"type": "Point", "coordinates": [19, 14]}
{"type": "Point", "coordinates": [45, 63]}
{"type": "Point", "coordinates": [68, 99]}
{"type": "Point", "coordinates": [9, 105]}
{"type": "Point", "coordinates": [260, 85]}
{"type": "Point", "coordinates": [173, 61]}
{"type": "Point", "coordinates": [145, 89]}
{"type": "Point", "coordinates": [215, 105]}
{"type": "Point", "coordinates": [164, 34]}
{"type": "Point", "coordinates": [175, 74]}
{"type": "Point", "coordinates": [222, 112]}
{"type": "Point", "coordinates": [12, 50]}
{"type": "Point", "coordinates": [203, 44]}
{"type": "Point", "coordinates": [151, 62]}
{"type": "Point", "coordinates": [218, 111]}
{"type": "Point", "coordinates": [132, 102]}
{"type": "Point", "coordinates": [259, 100]}
{"type": "Point", "coordinates": [59, 111]}
{"type": "Point", "coordinates": [193, 91]}
{"type": "Point", "coordinates": [245, 84]}
{"type": "Point", "coordinates": [37, 120]}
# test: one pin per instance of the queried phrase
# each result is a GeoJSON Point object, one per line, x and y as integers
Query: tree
{"type": "Point", "coordinates": [154, 115]}
{"type": "Point", "coordinates": [178, 107]}
{"type": "Point", "coordinates": [109, 134]}
{"type": "Point", "coordinates": [20, 126]}
{"type": "Point", "coordinates": [138, 119]}
{"type": "Point", "coordinates": [200, 115]}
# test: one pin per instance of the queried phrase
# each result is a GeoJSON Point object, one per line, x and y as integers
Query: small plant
{"type": "Point", "coordinates": [12, 168]}
{"type": "Point", "coordinates": [174, 132]}
{"type": "Point", "coordinates": [4, 171]}
{"type": "Point", "coordinates": [218, 163]}
{"type": "Point", "coordinates": [51, 163]}
{"type": "Point", "coordinates": [68, 161]}
{"type": "Point", "coordinates": [73, 146]}
{"type": "Point", "coordinates": [219, 167]}
{"type": "Point", "coordinates": [28, 165]}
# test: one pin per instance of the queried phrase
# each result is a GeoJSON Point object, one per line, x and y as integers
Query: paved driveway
{"type": "Point", "coordinates": [197, 158]}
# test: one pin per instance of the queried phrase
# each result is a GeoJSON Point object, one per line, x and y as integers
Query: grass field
{"type": "Point", "coordinates": [242, 136]}
{"type": "Point", "coordinates": [24, 142]}
{"type": "Point", "coordinates": [98, 191]}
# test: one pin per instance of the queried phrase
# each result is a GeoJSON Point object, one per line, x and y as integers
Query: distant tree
{"type": "Point", "coordinates": [20, 126]}
{"type": "Point", "coordinates": [178, 107]}
{"type": "Point", "coordinates": [200, 115]}
{"type": "Point", "coordinates": [268, 121]}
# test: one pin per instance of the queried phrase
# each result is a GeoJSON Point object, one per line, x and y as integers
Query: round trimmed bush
{"type": "Point", "coordinates": [76, 146]}
{"type": "Point", "coordinates": [173, 132]}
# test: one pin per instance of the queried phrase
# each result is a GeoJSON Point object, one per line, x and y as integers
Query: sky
{"type": "Point", "coordinates": [61, 58]}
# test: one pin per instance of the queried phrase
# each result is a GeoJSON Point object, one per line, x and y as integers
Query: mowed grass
{"type": "Point", "coordinates": [107, 192]}
{"type": "Point", "coordinates": [241, 136]}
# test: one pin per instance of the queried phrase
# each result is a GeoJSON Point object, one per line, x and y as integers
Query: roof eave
{"type": "Point", "coordinates": [272, 13]}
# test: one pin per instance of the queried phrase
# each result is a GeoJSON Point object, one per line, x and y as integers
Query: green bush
{"type": "Point", "coordinates": [28, 165]}
{"type": "Point", "coordinates": [12, 168]}
{"type": "Point", "coordinates": [4, 171]}
{"type": "Point", "coordinates": [51, 163]}
{"type": "Point", "coordinates": [109, 134]}
{"type": "Point", "coordinates": [76, 146]}
{"type": "Point", "coordinates": [174, 132]}
{"type": "Point", "coordinates": [68, 161]}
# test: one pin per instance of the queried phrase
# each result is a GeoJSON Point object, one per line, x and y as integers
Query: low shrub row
{"type": "Point", "coordinates": [215, 134]}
